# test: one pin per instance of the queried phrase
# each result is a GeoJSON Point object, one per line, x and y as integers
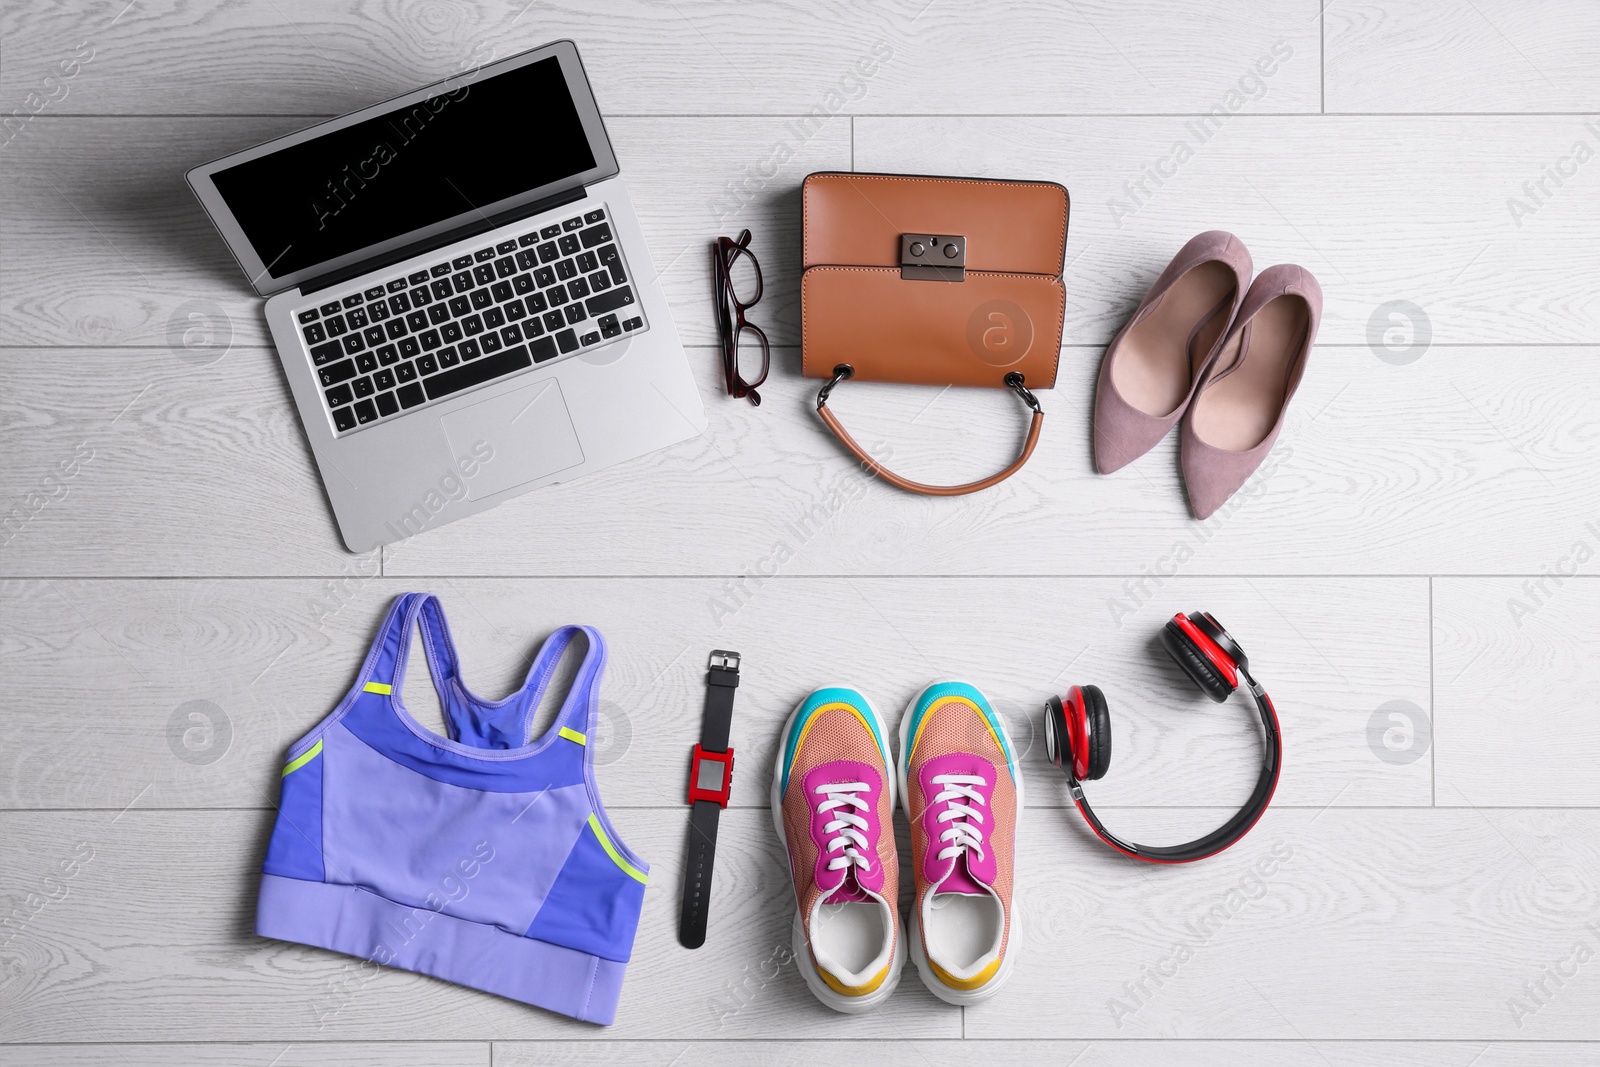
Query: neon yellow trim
{"type": "Point", "coordinates": [611, 850]}
{"type": "Point", "coordinates": [839, 987]}
{"type": "Point", "coordinates": [573, 735]}
{"type": "Point", "coordinates": [966, 983]}
{"type": "Point", "coordinates": [304, 758]}
{"type": "Point", "coordinates": [377, 687]}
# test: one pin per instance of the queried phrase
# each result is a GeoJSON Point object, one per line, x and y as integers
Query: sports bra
{"type": "Point", "coordinates": [480, 859]}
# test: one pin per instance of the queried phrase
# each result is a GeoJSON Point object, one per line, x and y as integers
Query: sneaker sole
{"type": "Point", "coordinates": [802, 950]}
{"type": "Point", "coordinates": [961, 997]}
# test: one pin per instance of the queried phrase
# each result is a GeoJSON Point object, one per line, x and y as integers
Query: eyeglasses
{"type": "Point", "coordinates": [736, 287]}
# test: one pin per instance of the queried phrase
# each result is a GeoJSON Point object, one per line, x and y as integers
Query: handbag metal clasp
{"type": "Point", "coordinates": [933, 257]}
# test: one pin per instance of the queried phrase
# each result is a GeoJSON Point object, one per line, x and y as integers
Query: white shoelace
{"type": "Point", "coordinates": [962, 833]}
{"type": "Point", "coordinates": [846, 824]}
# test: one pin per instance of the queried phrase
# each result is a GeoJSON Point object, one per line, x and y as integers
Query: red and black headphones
{"type": "Point", "coordinates": [1077, 732]}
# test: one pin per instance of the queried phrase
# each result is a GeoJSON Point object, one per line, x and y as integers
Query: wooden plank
{"type": "Point", "coordinates": [1515, 676]}
{"type": "Point", "coordinates": [267, 1054]}
{"type": "Point", "coordinates": [304, 57]}
{"type": "Point", "coordinates": [1360, 909]}
{"type": "Point", "coordinates": [155, 931]}
{"type": "Point", "coordinates": [1489, 55]}
{"type": "Point", "coordinates": [214, 679]}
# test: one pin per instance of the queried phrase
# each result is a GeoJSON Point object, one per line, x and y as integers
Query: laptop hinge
{"type": "Point", "coordinates": [416, 248]}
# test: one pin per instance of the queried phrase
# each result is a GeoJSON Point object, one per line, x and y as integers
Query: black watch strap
{"type": "Point", "coordinates": [722, 678]}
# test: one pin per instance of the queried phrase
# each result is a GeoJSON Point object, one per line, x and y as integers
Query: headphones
{"type": "Point", "coordinates": [1077, 732]}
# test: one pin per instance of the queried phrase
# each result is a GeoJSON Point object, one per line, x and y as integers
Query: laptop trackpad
{"type": "Point", "coordinates": [528, 430]}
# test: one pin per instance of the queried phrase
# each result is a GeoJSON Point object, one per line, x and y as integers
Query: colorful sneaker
{"type": "Point", "coordinates": [963, 794]}
{"type": "Point", "coordinates": [833, 795]}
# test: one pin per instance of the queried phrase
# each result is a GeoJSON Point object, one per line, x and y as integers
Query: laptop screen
{"type": "Point", "coordinates": [451, 153]}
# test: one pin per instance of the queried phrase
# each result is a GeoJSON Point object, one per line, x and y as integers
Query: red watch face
{"type": "Point", "coordinates": [710, 776]}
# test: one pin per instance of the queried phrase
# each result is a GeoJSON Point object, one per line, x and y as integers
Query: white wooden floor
{"type": "Point", "coordinates": [1421, 548]}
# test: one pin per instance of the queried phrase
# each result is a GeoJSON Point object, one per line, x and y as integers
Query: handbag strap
{"type": "Point", "coordinates": [1013, 381]}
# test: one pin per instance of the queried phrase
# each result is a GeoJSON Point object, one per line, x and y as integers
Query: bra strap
{"type": "Point", "coordinates": [576, 718]}
{"type": "Point", "coordinates": [390, 650]}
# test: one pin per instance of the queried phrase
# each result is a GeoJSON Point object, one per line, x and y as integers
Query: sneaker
{"type": "Point", "coordinates": [833, 796]}
{"type": "Point", "coordinates": [963, 793]}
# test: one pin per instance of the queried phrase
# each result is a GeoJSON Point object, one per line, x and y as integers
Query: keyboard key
{"type": "Point", "coordinates": [483, 255]}
{"type": "Point", "coordinates": [338, 396]}
{"type": "Point", "coordinates": [461, 262]}
{"type": "Point", "coordinates": [477, 372]}
{"type": "Point", "coordinates": [365, 412]}
{"type": "Point", "coordinates": [387, 404]}
{"type": "Point", "coordinates": [490, 342]}
{"type": "Point", "coordinates": [523, 283]}
{"type": "Point", "coordinates": [462, 281]}
{"type": "Point", "coordinates": [421, 296]}
{"type": "Point", "coordinates": [460, 305]}
{"type": "Point", "coordinates": [314, 333]}
{"type": "Point", "coordinates": [397, 285]}
{"type": "Point", "coordinates": [609, 326]}
{"type": "Point", "coordinates": [595, 216]}
{"type": "Point", "coordinates": [599, 281]}
{"type": "Point", "coordinates": [551, 231]}
{"type": "Point", "coordinates": [553, 321]}
{"type": "Point", "coordinates": [611, 301]}
{"type": "Point", "coordinates": [406, 372]}
{"type": "Point", "coordinates": [494, 318]}
{"type": "Point", "coordinates": [568, 244]}
{"type": "Point", "coordinates": [501, 291]}
{"type": "Point", "coordinates": [548, 252]}
{"type": "Point", "coordinates": [574, 313]}
{"type": "Point", "coordinates": [355, 318]}
{"type": "Point", "coordinates": [352, 343]}
{"type": "Point", "coordinates": [442, 312]}
{"type": "Point", "coordinates": [427, 364]}
{"type": "Point", "coordinates": [595, 235]}
{"type": "Point", "coordinates": [577, 288]}
{"type": "Point", "coordinates": [441, 289]}
{"type": "Point", "coordinates": [375, 293]}
{"type": "Point", "coordinates": [308, 315]}
{"type": "Point", "coordinates": [330, 309]}
{"type": "Point", "coordinates": [532, 328]}
{"type": "Point", "coordinates": [588, 263]}
{"type": "Point", "coordinates": [536, 303]}
{"type": "Point", "coordinates": [409, 347]}
{"type": "Point", "coordinates": [388, 356]}
{"type": "Point", "coordinates": [566, 269]}
{"type": "Point", "coordinates": [417, 277]}
{"type": "Point", "coordinates": [439, 270]}
{"type": "Point", "coordinates": [544, 348]}
{"type": "Point", "coordinates": [334, 373]}
{"type": "Point", "coordinates": [396, 329]}
{"type": "Point", "coordinates": [515, 310]}
{"type": "Point", "coordinates": [483, 273]}
{"type": "Point", "coordinates": [367, 362]}
{"type": "Point", "coordinates": [567, 340]}
{"type": "Point", "coordinates": [378, 312]}
{"type": "Point", "coordinates": [526, 259]}
{"type": "Point", "coordinates": [344, 419]}
{"type": "Point", "coordinates": [399, 303]}
{"type": "Point", "coordinates": [469, 349]}
{"type": "Point", "coordinates": [352, 300]}
{"type": "Point", "coordinates": [511, 334]}
{"type": "Point", "coordinates": [335, 325]}
{"type": "Point", "coordinates": [572, 224]}
{"type": "Point", "coordinates": [506, 247]}
{"type": "Point", "coordinates": [325, 353]}
{"type": "Point", "coordinates": [481, 299]}
{"type": "Point", "coordinates": [417, 321]}
{"type": "Point", "coordinates": [374, 335]}
{"type": "Point", "coordinates": [363, 386]}
{"type": "Point", "coordinates": [448, 357]}
{"type": "Point", "coordinates": [545, 277]}
{"type": "Point", "coordinates": [410, 395]}
{"type": "Point", "coordinates": [633, 323]}
{"type": "Point", "coordinates": [472, 325]}
{"type": "Point", "coordinates": [429, 340]}
{"type": "Point", "coordinates": [384, 379]}
{"type": "Point", "coordinates": [613, 261]}
{"type": "Point", "coordinates": [451, 332]}
{"type": "Point", "coordinates": [591, 338]}
{"type": "Point", "coordinates": [527, 239]}
{"type": "Point", "coordinates": [504, 267]}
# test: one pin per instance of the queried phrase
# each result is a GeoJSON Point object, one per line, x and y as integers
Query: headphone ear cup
{"type": "Point", "coordinates": [1194, 663]}
{"type": "Point", "coordinates": [1099, 716]}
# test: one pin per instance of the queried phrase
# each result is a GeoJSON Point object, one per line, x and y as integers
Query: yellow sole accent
{"type": "Point", "coordinates": [304, 758]}
{"type": "Point", "coordinates": [611, 850]}
{"type": "Point", "coordinates": [573, 735]}
{"type": "Point", "coordinates": [856, 990]}
{"type": "Point", "coordinates": [377, 687]}
{"type": "Point", "coordinates": [966, 984]}
{"type": "Point", "coordinates": [815, 715]}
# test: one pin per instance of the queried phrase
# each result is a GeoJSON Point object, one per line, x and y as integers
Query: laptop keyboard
{"type": "Point", "coordinates": [422, 337]}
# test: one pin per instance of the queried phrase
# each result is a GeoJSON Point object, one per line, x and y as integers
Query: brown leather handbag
{"type": "Point", "coordinates": [932, 281]}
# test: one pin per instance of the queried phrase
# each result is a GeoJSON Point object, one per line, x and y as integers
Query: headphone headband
{"type": "Point", "coordinates": [1201, 646]}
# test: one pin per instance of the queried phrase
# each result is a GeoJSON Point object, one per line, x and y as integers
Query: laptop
{"type": "Point", "coordinates": [460, 294]}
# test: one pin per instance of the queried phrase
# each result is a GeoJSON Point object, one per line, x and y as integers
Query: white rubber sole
{"type": "Point", "coordinates": [802, 950]}
{"type": "Point", "coordinates": [961, 997]}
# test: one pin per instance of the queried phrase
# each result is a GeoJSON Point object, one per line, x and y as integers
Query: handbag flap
{"type": "Point", "coordinates": [857, 220]}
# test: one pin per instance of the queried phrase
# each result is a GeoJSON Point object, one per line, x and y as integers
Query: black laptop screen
{"type": "Point", "coordinates": [387, 176]}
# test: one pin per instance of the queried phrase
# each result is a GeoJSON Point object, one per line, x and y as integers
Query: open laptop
{"type": "Point", "coordinates": [461, 296]}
